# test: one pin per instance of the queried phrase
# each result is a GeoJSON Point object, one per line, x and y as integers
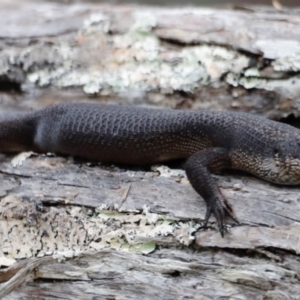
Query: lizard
{"type": "Point", "coordinates": [209, 141]}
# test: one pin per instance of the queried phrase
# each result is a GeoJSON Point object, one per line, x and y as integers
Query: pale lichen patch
{"type": "Point", "coordinates": [165, 171]}
{"type": "Point", "coordinates": [6, 262]}
{"type": "Point", "coordinates": [62, 229]}
{"type": "Point", "coordinates": [96, 22]}
{"type": "Point", "coordinates": [20, 158]}
{"type": "Point", "coordinates": [287, 64]}
{"type": "Point", "coordinates": [132, 61]}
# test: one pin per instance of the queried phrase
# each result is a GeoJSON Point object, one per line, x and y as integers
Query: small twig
{"type": "Point", "coordinates": [277, 5]}
{"type": "Point", "coordinates": [125, 195]}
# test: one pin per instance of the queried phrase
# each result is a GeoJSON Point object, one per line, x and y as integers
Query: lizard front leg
{"type": "Point", "coordinates": [198, 168]}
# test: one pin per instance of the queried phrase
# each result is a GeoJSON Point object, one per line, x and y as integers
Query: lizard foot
{"type": "Point", "coordinates": [222, 212]}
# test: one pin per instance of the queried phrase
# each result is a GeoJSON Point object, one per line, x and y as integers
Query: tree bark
{"type": "Point", "coordinates": [73, 229]}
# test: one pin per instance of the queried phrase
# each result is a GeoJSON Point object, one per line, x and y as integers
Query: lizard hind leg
{"type": "Point", "coordinates": [198, 168]}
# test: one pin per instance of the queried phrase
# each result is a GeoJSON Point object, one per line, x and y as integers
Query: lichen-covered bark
{"type": "Point", "coordinates": [52, 206]}
{"type": "Point", "coordinates": [70, 229]}
{"type": "Point", "coordinates": [194, 57]}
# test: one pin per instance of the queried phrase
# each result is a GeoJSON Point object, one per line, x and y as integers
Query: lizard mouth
{"type": "Point", "coordinates": [281, 171]}
{"type": "Point", "coordinates": [289, 172]}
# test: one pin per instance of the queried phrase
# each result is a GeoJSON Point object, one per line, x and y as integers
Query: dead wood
{"type": "Point", "coordinates": [75, 230]}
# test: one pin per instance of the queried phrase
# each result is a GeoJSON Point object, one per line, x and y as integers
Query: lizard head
{"type": "Point", "coordinates": [284, 166]}
{"type": "Point", "coordinates": [269, 150]}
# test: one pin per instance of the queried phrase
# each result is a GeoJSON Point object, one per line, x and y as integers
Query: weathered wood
{"type": "Point", "coordinates": [50, 205]}
{"type": "Point", "coordinates": [75, 230]}
{"type": "Point", "coordinates": [244, 60]}
{"type": "Point", "coordinates": [168, 274]}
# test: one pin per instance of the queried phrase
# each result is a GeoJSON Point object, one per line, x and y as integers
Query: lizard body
{"type": "Point", "coordinates": [209, 141]}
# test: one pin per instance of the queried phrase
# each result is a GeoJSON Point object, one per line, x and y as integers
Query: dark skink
{"type": "Point", "coordinates": [209, 141]}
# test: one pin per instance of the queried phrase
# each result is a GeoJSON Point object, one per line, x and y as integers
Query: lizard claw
{"type": "Point", "coordinates": [222, 212]}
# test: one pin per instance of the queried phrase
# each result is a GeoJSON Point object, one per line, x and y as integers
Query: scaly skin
{"type": "Point", "coordinates": [209, 141]}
